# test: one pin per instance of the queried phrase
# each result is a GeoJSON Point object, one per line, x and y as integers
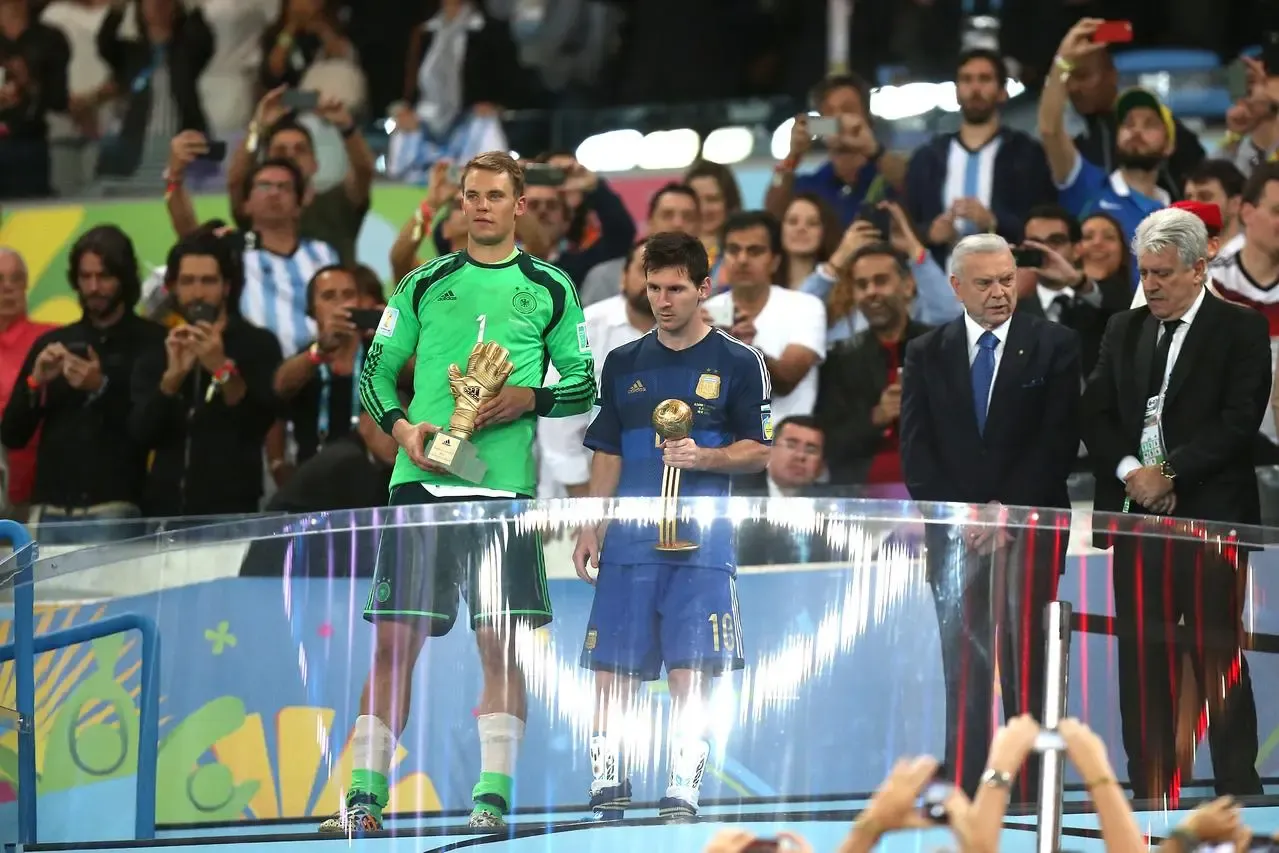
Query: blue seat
{"type": "Point", "coordinates": [1170, 60]}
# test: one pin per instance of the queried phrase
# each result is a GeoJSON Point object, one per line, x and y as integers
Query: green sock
{"type": "Point", "coordinates": [490, 787]}
{"type": "Point", "coordinates": [374, 783]}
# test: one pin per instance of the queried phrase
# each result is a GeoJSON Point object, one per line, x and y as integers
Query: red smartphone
{"type": "Point", "coordinates": [1113, 32]}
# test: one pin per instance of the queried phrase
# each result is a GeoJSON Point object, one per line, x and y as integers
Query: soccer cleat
{"type": "Point", "coordinates": [675, 810]}
{"type": "Point", "coordinates": [610, 803]}
{"type": "Point", "coordinates": [485, 819]}
{"type": "Point", "coordinates": [356, 818]}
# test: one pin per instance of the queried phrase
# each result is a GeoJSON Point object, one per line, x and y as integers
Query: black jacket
{"type": "Point", "coordinates": [1087, 319]}
{"type": "Point", "coordinates": [853, 378]}
{"type": "Point", "coordinates": [86, 456]}
{"type": "Point", "coordinates": [208, 456]}
{"type": "Point", "coordinates": [1216, 398]}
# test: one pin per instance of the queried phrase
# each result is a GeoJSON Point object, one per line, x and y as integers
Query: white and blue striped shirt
{"type": "Point", "coordinates": [274, 294]}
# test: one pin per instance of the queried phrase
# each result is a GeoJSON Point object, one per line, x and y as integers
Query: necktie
{"type": "Point", "coordinates": [1160, 365]}
{"type": "Point", "coordinates": [1060, 305]}
{"type": "Point", "coordinates": [983, 374]}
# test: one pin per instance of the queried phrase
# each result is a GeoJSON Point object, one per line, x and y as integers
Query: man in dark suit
{"type": "Point", "coordinates": [1170, 416]}
{"type": "Point", "coordinates": [990, 419]}
{"type": "Point", "coordinates": [859, 391]}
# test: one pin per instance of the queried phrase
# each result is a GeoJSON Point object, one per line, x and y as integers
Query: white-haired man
{"type": "Point", "coordinates": [989, 417]}
{"type": "Point", "coordinates": [1170, 418]}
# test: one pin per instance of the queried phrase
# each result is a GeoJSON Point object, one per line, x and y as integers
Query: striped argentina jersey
{"type": "Point", "coordinates": [274, 294]}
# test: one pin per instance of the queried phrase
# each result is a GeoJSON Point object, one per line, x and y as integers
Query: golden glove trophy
{"type": "Point", "coordinates": [673, 419]}
{"type": "Point", "coordinates": [487, 370]}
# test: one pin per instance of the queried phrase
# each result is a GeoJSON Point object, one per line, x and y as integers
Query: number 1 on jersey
{"type": "Point", "coordinates": [483, 321]}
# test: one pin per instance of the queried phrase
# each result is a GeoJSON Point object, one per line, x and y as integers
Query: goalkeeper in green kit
{"type": "Point", "coordinates": [498, 296]}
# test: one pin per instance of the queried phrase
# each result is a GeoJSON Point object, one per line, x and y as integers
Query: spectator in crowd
{"type": "Point", "coordinates": [933, 300]}
{"type": "Point", "coordinates": [461, 72]}
{"type": "Point", "coordinates": [305, 31]}
{"type": "Point", "coordinates": [564, 462]}
{"type": "Point", "coordinates": [17, 335]}
{"type": "Point", "coordinates": [1210, 215]}
{"type": "Point", "coordinates": [202, 400]}
{"type": "Point", "coordinates": [795, 466]}
{"type": "Point", "coordinates": [674, 207]}
{"type": "Point", "coordinates": [438, 222]}
{"type": "Point", "coordinates": [34, 59]}
{"type": "Point", "coordinates": [333, 216]}
{"type": "Point", "coordinates": [1252, 122]}
{"type": "Point", "coordinates": [859, 399]}
{"type": "Point", "coordinates": [75, 391]}
{"type": "Point", "coordinates": [787, 326]}
{"type": "Point", "coordinates": [989, 417]}
{"type": "Point", "coordinates": [1249, 276]}
{"type": "Point", "coordinates": [1103, 254]}
{"type": "Point", "coordinates": [1200, 370]}
{"type": "Point", "coordinates": [810, 234]}
{"type": "Point", "coordinates": [857, 170]}
{"type": "Point", "coordinates": [73, 135]}
{"type": "Point", "coordinates": [1145, 138]}
{"type": "Point", "coordinates": [277, 260]}
{"type": "Point", "coordinates": [604, 228]}
{"type": "Point", "coordinates": [1093, 87]}
{"type": "Point", "coordinates": [987, 176]}
{"type": "Point", "coordinates": [157, 50]}
{"type": "Point", "coordinates": [718, 197]}
{"type": "Point", "coordinates": [1060, 292]}
{"type": "Point", "coordinates": [1221, 183]}
{"type": "Point", "coordinates": [318, 385]}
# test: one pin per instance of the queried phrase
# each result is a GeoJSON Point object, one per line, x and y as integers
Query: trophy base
{"type": "Point", "coordinates": [457, 456]}
{"type": "Point", "coordinates": [676, 546]}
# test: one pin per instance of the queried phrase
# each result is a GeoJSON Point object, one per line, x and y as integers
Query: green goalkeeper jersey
{"type": "Point", "coordinates": [438, 313]}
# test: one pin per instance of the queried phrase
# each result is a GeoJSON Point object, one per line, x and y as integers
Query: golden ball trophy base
{"type": "Point", "coordinates": [673, 419]}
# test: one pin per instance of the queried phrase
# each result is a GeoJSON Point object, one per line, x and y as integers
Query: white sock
{"type": "Point", "coordinates": [605, 763]}
{"type": "Point", "coordinates": [500, 736]}
{"type": "Point", "coordinates": [372, 746]}
{"type": "Point", "coordinates": [687, 762]}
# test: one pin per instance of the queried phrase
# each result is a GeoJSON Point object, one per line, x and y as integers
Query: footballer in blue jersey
{"type": "Point", "coordinates": [660, 608]}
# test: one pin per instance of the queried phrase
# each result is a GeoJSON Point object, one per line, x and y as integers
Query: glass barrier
{"type": "Point", "coordinates": [856, 632]}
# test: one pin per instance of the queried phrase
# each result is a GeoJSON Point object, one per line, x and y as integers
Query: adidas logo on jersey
{"type": "Point", "coordinates": [637, 388]}
{"type": "Point", "coordinates": [448, 296]}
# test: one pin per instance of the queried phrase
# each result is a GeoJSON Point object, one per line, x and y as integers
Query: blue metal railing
{"type": "Point", "coordinates": [22, 652]}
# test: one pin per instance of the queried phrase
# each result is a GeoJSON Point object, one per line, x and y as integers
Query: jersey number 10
{"type": "Point", "coordinates": [722, 631]}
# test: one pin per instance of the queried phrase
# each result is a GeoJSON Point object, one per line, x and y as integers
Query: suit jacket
{"type": "Point", "coordinates": [852, 379]}
{"type": "Point", "coordinates": [1032, 425]}
{"type": "Point", "coordinates": [1217, 395]}
{"type": "Point", "coordinates": [761, 542]}
{"type": "Point", "coordinates": [1086, 319]}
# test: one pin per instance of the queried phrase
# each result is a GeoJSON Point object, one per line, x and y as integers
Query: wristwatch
{"type": "Point", "coordinates": [1165, 468]}
{"type": "Point", "coordinates": [997, 779]}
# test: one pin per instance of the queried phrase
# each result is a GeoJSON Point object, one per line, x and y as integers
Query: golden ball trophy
{"type": "Point", "coordinates": [673, 419]}
{"type": "Point", "coordinates": [487, 370]}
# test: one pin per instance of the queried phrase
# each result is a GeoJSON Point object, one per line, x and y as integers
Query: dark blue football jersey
{"type": "Point", "coordinates": [726, 384]}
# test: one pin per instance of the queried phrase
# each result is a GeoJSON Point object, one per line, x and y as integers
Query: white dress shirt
{"type": "Point", "coordinates": [1131, 463]}
{"type": "Point", "coordinates": [974, 333]}
{"type": "Point", "coordinates": [562, 459]}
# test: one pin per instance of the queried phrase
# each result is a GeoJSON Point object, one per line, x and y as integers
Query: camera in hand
{"type": "Point", "coordinates": [763, 845]}
{"type": "Point", "coordinates": [932, 800]}
{"type": "Point", "coordinates": [216, 152]}
{"type": "Point", "coordinates": [881, 219]}
{"type": "Point", "coordinates": [366, 319]}
{"type": "Point", "coordinates": [1029, 258]}
{"type": "Point", "coordinates": [200, 312]}
{"type": "Point", "coordinates": [544, 175]}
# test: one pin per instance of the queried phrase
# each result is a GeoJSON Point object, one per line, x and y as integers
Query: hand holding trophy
{"type": "Point", "coordinates": [487, 370]}
{"type": "Point", "coordinates": [673, 419]}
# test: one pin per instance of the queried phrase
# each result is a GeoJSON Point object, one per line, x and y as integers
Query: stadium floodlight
{"type": "Point", "coordinates": [780, 145]}
{"type": "Point", "coordinates": [894, 103]}
{"type": "Point", "coordinates": [613, 151]}
{"type": "Point", "coordinates": [728, 145]}
{"type": "Point", "coordinates": [670, 149]}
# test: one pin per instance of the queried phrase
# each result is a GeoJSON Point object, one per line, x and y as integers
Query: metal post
{"type": "Point", "coordinates": [1052, 761]}
{"type": "Point", "coordinates": [839, 14]}
{"type": "Point", "coordinates": [24, 666]}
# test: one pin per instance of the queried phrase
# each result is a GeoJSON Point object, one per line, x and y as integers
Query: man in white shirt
{"type": "Point", "coordinates": [564, 464]}
{"type": "Point", "coordinates": [787, 326]}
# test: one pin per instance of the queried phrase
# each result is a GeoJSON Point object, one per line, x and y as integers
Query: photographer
{"type": "Point", "coordinates": [202, 401]}
{"type": "Point", "coordinates": [33, 82]}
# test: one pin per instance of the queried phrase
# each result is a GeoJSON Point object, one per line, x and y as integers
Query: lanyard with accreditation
{"type": "Point", "coordinates": [1151, 446]}
{"type": "Point", "coordinates": [326, 389]}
